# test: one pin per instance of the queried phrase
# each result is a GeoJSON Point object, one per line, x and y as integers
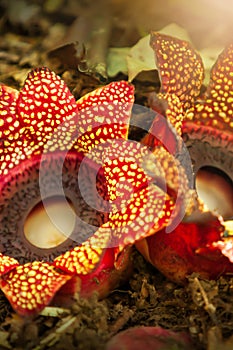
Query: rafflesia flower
{"type": "Point", "coordinates": [199, 243]}
{"type": "Point", "coordinates": [74, 156]}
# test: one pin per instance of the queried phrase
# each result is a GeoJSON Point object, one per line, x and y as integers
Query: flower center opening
{"type": "Point", "coordinates": [50, 222]}
{"type": "Point", "coordinates": [51, 205]}
{"type": "Point", "coordinates": [215, 188]}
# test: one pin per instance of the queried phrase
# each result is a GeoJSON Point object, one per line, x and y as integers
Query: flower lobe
{"type": "Point", "coordinates": [30, 287]}
{"type": "Point", "coordinates": [180, 67]}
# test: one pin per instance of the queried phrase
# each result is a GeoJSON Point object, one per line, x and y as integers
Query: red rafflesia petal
{"type": "Point", "coordinates": [216, 109]}
{"type": "Point", "coordinates": [167, 125]}
{"type": "Point", "coordinates": [206, 128]}
{"type": "Point", "coordinates": [123, 168]}
{"type": "Point", "coordinates": [10, 123]}
{"type": "Point", "coordinates": [30, 287]}
{"type": "Point", "coordinates": [50, 118]}
{"type": "Point", "coordinates": [147, 212]}
{"type": "Point", "coordinates": [10, 129]}
{"type": "Point", "coordinates": [99, 269]}
{"type": "Point", "coordinates": [6, 264]}
{"type": "Point", "coordinates": [138, 206]}
{"type": "Point", "coordinates": [104, 115]}
{"type": "Point", "coordinates": [44, 104]}
{"type": "Point", "coordinates": [29, 118]}
{"type": "Point", "coordinates": [109, 273]}
{"type": "Point", "coordinates": [84, 258]}
{"type": "Point", "coordinates": [189, 248]}
{"type": "Point", "coordinates": [149, 338]}
{"type": "Point", "coordinates": [180, 67]}
{"type": "Point", "coordinates": [225, 245]}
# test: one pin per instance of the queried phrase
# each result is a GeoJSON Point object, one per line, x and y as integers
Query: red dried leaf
{"type": "Point", "coordinates": [150, 338]}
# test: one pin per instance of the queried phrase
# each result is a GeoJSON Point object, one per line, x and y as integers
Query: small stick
{"type": "Point", "coordinates": [121, 321]}
{"type": "Point", "coordinates": [209, 307]}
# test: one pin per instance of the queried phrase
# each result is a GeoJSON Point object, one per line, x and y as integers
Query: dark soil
{"type": "Point", "coordinates": [202, 308]}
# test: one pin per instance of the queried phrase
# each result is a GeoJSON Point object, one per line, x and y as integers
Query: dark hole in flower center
{"type": "Point", "coordinates": [50, 222]}
{"type": "Point", "coordinates": [215, 188]}
{"type": "Point", "coordinates": [42, 197]}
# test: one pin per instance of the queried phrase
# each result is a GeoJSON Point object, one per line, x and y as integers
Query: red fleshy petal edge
{"type": "Point", "coordinates": [30, 287]}
{"type": "Point", "coordinates": [7, 264]}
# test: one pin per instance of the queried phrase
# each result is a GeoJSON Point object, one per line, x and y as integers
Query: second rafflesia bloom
{"type": "Point", "coordinates": [202, 243]}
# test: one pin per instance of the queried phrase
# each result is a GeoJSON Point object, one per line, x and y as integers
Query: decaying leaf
{"type": "Point", "coordinates": [116, 61]}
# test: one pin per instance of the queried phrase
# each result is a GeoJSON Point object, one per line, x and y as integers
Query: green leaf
{"type": "Point", "coordinates": [116, 61]}
{"type": "Point", "coordinates": [209, 56]}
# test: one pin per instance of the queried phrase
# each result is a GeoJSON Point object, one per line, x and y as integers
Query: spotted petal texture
{"type": "Point", "coordinates": [34, 114]}
{"type": "Point", "coordinates": [7, 263]}
{"type": "Point", "coordinates": [44, 104]}
{"type": "Point", "coordinates": [217, 109]}
{"type": "Point", "coordinates": [10, 128]}
{"type": "Point", "coordinates": [10, 122]}
{"type": "Point", "coordinates": [84, 258]}
{"type": "Point", "coordinates": [180, 67]}
{"type": "Point", "coordinates": [32, 286]}
{"type": "Point", "coordinates": [146, 188]}
{"type": "Point", "coordinates": [104, 114]}
{"type": "Point", "coordinates": [44, 116]}
{"type": "Point", "coordinates": [138, 206]}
